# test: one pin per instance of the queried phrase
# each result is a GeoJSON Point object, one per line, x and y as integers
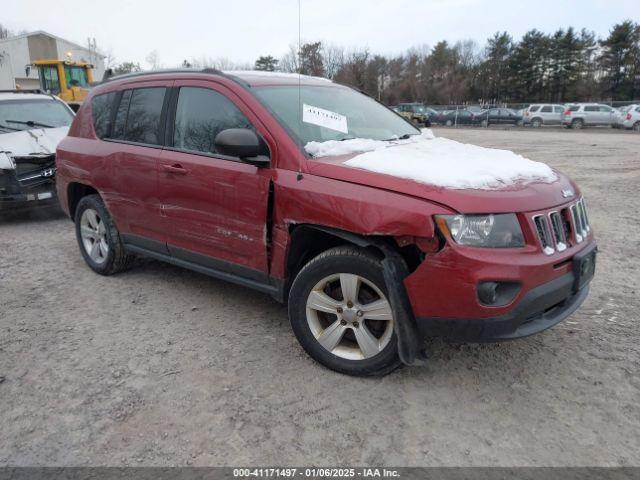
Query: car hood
{"type": "Point", "coordinates": [30, 143]}
{"type": "Point", "coordinates": [516, 197]}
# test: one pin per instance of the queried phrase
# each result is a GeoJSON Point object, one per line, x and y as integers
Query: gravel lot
{"type": "Point", "coordinates": [162, 366]}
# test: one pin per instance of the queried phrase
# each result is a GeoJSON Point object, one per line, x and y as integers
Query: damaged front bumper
{"type": "Point", "coordinates": [547, 293]}
{"type": "Point", "coordinates": [30, 182]}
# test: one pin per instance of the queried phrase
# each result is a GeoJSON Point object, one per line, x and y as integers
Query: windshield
{"type": "Point", "coordinates": [332, 113]}
{"type": "Point", "coordinates": [18, 115]}
{"type": "Point", "coordinates": [419, 109]}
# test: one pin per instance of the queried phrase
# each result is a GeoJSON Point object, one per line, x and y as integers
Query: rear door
{"type": "Point", "coordinates": [606, 115]}
{"type": "Point", "coordinates": [558, 112]}
{"type": "Point", "coordinates": [546, 113]}
{"type": "Point", "coordinates": [214, 207]}
{"type": "Point", "coordinates": [592, 115]}
{"type": "Point", "coordinates": [136, 139]}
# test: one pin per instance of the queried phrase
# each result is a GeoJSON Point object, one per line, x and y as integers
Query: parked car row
{"type": "Point", "coordinates": [575, 115]}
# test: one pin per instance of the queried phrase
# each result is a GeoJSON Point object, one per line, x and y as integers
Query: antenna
{"type": "Point", "coordinates": [300, 72]}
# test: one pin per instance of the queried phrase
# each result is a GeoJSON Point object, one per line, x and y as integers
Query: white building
{"type": "Point", "coordinates": [19, 51]}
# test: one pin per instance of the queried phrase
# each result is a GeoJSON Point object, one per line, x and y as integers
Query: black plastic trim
{"type": "Point", "coordinates": [206, 265]}
{"type": "Point", "coordinates": [540, 309]}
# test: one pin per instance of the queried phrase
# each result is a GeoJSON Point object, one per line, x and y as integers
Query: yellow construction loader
{"type": "Point", "coordinates": [68, 80]}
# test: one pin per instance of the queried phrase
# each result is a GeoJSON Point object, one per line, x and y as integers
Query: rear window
{"type": "Point", "coordinates": [574, 108]}
{"type": "Point", "coordinates": [558, 109]}
{"type": "Point", "coordinates": [546, 109]}
{"type": "Point", "coordinates": [102, 111]}
{"type": "Point", "coordinates": [534, 108]}
{"type": "Point", "coordinates": [143, 119]}
{"type": "Point", "coordinates": [591, 108]}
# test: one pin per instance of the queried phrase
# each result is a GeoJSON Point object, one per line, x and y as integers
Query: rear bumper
{"type": "Point", "coordinates": [541, 308]}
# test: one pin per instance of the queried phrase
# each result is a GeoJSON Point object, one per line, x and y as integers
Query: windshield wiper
{"type": "Point", "coordinates": [30, 123]}
{"type": "Point", "coordinates": [7, 127]}
{"type": "Point", "coordinates": [403, 137]}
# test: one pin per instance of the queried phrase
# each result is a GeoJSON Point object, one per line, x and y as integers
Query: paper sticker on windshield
{"type": "Point", "coordinates": [324, 118]}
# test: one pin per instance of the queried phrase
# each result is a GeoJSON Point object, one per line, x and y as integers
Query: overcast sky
{"type": "Point", "coordinates": [241, 30]}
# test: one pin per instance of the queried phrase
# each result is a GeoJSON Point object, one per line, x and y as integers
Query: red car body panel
{"type": "Point", "coordinates": [219, 208]}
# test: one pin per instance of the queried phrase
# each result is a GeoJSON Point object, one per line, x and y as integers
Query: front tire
{"type": "Point", "coordinates": [98, 238]}
{"type": "Point", "coordinates": [536, 123]}
{"type": "Point", "coordinates": [340, 313]}
{"type": "Point", "coordinates": [636, 126]}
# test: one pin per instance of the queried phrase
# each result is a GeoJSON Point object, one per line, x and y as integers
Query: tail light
{"type": "Point", "coordinates": [567, 112]}
{"type": "Point", "coordinates": [628, 116]}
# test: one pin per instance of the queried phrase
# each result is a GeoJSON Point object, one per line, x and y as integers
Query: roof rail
{"type": "Point", "coordinates": [163, 71]}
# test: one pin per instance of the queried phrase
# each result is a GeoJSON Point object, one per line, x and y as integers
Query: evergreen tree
{"type": "Point", "coordinates": [620, 61]}
{"type": "Point", "coordinates": [266, 63]}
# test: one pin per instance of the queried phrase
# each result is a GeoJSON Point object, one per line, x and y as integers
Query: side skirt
{"type": "Point", "coordinates": [198, 263]}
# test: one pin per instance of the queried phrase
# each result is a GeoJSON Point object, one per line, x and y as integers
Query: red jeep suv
{"type": "Point", "coordinates": [376, 234]}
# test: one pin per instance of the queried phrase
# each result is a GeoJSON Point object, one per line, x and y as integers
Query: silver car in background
{"type": "Point", "coordinates": [630, 119]}
{"type": "Point", "coordinates": [580, 115]}
{"type": "Point", "coordinates": [539, 114]}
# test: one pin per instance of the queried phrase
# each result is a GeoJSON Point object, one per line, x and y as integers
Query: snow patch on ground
{"type": "Point", "coordinates": [438, 161]}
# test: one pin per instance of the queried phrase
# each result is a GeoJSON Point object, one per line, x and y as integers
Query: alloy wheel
{"type": "Point", "coordinates": [349, 316]}
{"type": "Point", "coordinates": [94, 236]}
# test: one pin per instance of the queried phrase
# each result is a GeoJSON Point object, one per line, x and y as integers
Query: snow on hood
{"type": "Point", "coordinates": [41, 141]}
{"type": "Point", "coordinates": [438, 161]}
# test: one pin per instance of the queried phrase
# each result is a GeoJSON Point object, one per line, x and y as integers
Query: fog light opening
{"type": "Point", "coordinates": [497, 294]}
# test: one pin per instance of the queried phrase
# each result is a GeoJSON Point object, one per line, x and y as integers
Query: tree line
{"type": "Point", "coordinates": [564, 66]}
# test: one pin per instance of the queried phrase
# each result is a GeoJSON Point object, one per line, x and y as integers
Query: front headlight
{"type": "Point", "coordinates": [491, 231]}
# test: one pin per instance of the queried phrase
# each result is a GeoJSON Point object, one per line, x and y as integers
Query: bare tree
{"type": "Point", "coordinates": [153, 59]}
{"type": "Point", "coordinates": [290, 61]}
{"type": "Point", "coordinates": [334, 58]}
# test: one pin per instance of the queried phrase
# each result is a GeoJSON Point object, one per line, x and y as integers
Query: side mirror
{"type": "Point", "coordinates": [27, 70]}
{"type": "Point", "coordinates": [242, 143]}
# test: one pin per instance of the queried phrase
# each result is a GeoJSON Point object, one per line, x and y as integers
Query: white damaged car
{"type": "Point", "coordinates": [31, 126]}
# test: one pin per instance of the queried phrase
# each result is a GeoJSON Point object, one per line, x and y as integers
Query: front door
{"type": "Point", "coordinates": [214, 207]}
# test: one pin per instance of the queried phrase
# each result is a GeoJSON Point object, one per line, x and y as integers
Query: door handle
{"type": "Point", "coordinates": [176, 169]}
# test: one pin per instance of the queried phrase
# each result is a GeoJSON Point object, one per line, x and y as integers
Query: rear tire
{"type": "Point", "coordinates": [448, 123]}
{"type": "Point", "coordinates": [577, 124]}
{"type": "Point", "coordinates": [636, 126]}
{"type": "Point", "coordinates": [484, 123]}
{"type": "Point", "coordinates": [345, 332]}
{"type": "Point", "coordinates": [98, 238]}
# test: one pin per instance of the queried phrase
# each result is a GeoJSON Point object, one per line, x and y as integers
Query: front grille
{"type": "Point", "coordinates": [559, 230]}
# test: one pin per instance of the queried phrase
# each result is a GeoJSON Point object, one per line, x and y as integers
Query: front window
{"type": "Point", "coordinates": [31, 114]}
{"type": "Point", "coordinates": [200, 115]}
{"type": "Point", "coordinates": [76, 76]}
{"type": "Point", "coordinates": [319, 114]}
{"type": "Point", "coordinates": [49, 79]}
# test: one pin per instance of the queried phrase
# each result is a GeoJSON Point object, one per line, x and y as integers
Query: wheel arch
{"type": "Point", "coordinates": [308, 240]}
{"type": "Point", "coordinates": [75, 192]}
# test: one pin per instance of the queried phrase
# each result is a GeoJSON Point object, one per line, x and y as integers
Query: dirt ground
{"type": "Point", "coordinates": [162, 366]}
